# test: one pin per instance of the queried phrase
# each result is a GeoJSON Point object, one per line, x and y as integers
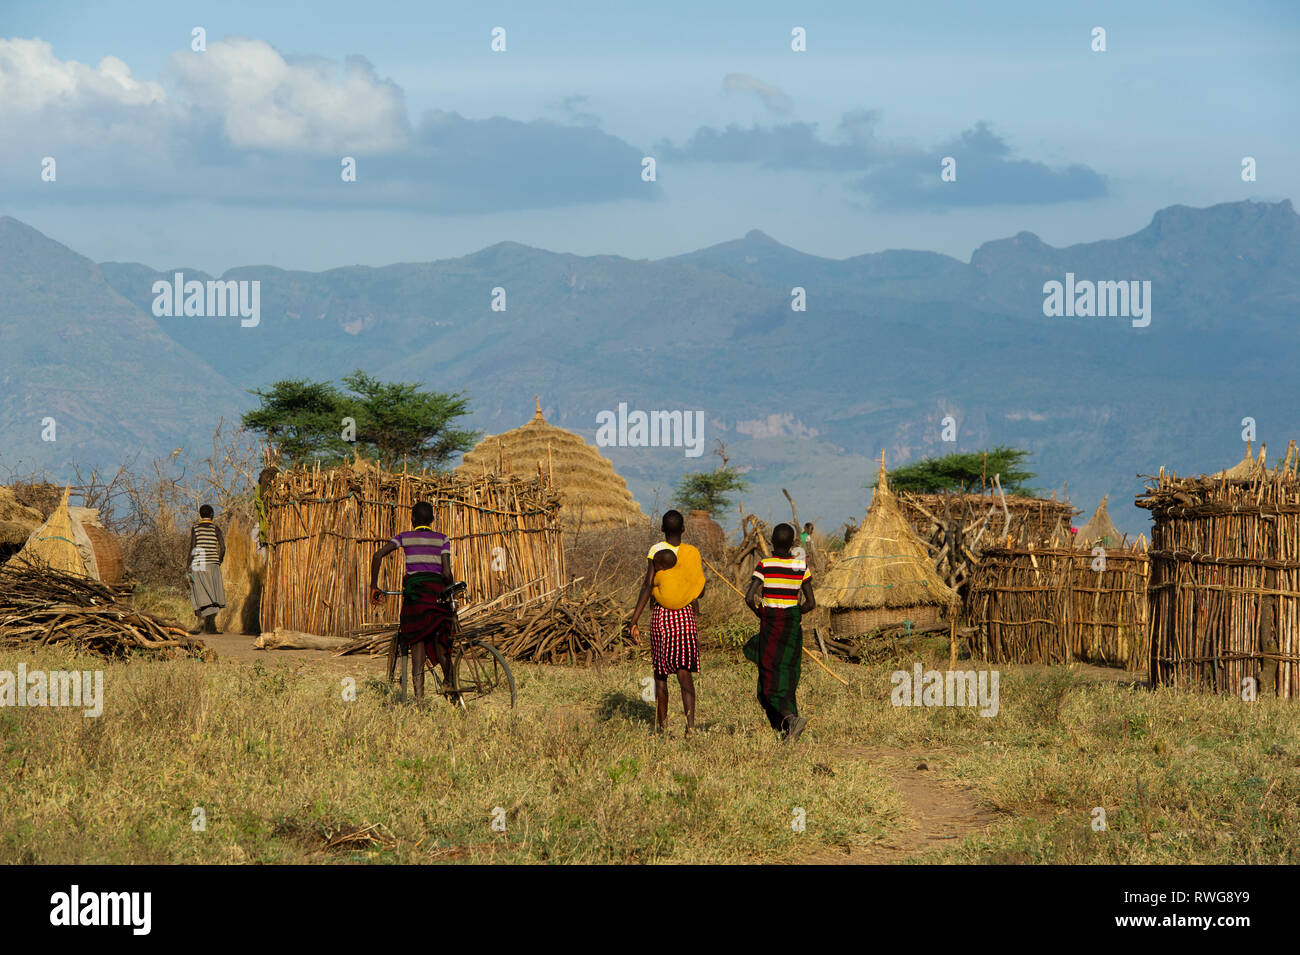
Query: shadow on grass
{"type": "Point", "coordinates": [620, 704]}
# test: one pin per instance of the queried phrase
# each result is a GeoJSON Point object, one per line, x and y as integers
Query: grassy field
{"type": "Point", "coordinates": [280, 763]}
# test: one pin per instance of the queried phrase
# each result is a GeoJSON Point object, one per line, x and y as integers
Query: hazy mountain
{"type": "Point", "coordinates": [74, 350]}
{"type": "Point", "coordinates": [890, 343]}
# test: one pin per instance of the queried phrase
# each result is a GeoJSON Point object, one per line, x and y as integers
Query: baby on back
{"type": "Point", "coordinates": [664, 556]}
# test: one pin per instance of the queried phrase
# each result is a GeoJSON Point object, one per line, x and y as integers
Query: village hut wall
{"type": "Point", "coordinates": [1056, 605]}
{"type": "Point", "coordinates": [1225, 580]}
{"type": "Point", "coordinates": [324, 526]}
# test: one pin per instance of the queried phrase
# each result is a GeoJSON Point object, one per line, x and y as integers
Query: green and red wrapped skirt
{"type": "Point", "coordinates": [777, 649]}
{"type": "Point", "coordinates": [424, 614]}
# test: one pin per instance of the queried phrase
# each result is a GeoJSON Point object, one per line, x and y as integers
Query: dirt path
{"type": "Point", "coordinates": [942, 812]}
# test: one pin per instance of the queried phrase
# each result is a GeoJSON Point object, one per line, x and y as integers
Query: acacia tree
{"type": "Point", "coordinates": [389, 421]}
{"type": "Point", "coordinates": [965, 472]}
{"type": "Point", "coordinates": [708, 490]}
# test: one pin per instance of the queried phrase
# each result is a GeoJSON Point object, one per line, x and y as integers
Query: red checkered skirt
{"type": "Point", "coordinates": [673, 643]}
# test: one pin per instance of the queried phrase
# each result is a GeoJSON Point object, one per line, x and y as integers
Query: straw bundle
{"type": "Point", "coordinates": [54, 544]}
{"type": "Point", "coordinates": [1049, 605]}
{"type": "Point", "coordinates": [884, 576]}
{"type": "Point", "coordinates": [325, 525]}
{"type": "Point", "coordinates": [1225, 579]}
{"type": "Point", "coordinates": [242, 575]}
{"type": "Point", "coordinates": [592, 495]}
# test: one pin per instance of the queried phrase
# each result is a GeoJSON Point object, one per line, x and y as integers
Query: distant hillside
{"type": "Point", "coordinates": [890, 343]}
{"type": "Point", "coordinates": [113, 381]}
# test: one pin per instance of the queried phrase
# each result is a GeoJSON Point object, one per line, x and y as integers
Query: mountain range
{"type": "Point", "coordinates": [889, 345]}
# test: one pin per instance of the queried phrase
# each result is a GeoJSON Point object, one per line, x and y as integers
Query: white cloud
{"type": "Point", "coordinates": [305, 104]}
{"type": "Point", "coordinates": [32, 79]}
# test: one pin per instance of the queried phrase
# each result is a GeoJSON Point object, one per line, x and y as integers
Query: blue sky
{"type": "Point", "coordinates": [230, 157]}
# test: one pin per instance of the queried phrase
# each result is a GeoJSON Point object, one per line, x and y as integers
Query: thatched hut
{"type": "Point", "coordinates": [323, 527]}
{"type": "Point", "coordinates": [1100, 531]}
{"type": "Point", "coordinates": [17, 521]}
{"type": "Point", "coordinates": [885, 576]}
{"type": "Point", "coordinates": [1225, 578]}
{"type": "Point", "coordinates": [592, 495]}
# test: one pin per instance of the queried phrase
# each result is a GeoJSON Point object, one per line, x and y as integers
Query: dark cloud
{"type": "Point", "coordinates": [896, 177]}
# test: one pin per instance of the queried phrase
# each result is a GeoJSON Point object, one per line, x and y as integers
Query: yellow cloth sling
{"type": "Point", "coordinates": [677, 587]}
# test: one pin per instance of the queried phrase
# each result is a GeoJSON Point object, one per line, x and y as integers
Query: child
{"type": "Point", "coordinates": [676, 584]}
{"type": "Point", "coordinates": [663, 555]}
{"type": "Point", "coordinates": [780, 593]}
{"type": "Point", "coordinates": [426, 620]}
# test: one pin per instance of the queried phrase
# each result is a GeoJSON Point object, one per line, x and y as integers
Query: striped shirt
{"type": "Point", "coordinates": [206, 545]}
{"type": "Point", "coordinates": [423, 548]}
{"type": "Point", "coordinates": [782, 577]}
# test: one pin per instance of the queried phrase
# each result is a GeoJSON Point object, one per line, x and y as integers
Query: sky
{"type": "Point", "coordinates": [232, 155]}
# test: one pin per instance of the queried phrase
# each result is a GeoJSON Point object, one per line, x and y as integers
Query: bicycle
{"type": "Point", "coordinates": [478, 668]}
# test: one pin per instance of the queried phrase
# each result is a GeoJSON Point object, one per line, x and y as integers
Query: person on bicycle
{"type": "Point", "coordinates": [426, 620]}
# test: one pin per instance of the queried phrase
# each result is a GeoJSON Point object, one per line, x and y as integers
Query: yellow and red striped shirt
{"type": "Point", "coordinates": [782, 577]}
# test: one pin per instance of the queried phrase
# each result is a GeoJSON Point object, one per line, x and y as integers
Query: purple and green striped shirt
{"type": "Point", "coordinates": [423, 548]}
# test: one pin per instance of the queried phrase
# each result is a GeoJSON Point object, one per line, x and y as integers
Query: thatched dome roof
{"type": "Point", "coordinates": [592, 495]}
{"type": "Point", "coordinates": [1247, 467]}
{"type": "Point", "coordinates": [1100, 529]}
{"type": "Point", "coordinates": [884, 565]}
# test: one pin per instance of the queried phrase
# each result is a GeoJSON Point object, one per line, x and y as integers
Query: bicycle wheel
{"type": "Point", "coordinates": [480, 670]}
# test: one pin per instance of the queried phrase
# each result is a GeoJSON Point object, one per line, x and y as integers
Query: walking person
{"type": "Point", "coordinates": [676, 584]}
{"type": "Point", "coordinates": [779, 594]}
{"type": "Point", "coordinates": [207, 550]}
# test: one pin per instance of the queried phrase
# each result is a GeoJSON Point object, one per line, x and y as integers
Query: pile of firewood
{"type": "Point", "coordinates": [567, 625]}
{"type": "Point", "coordinates": [41, 606]}
{"type": "Point", "coordinates": [574, 627]}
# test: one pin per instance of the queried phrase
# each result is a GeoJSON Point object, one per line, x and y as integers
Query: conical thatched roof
{"type": "Point", "coordinates": [1100, 529]}
{"type": "Point", "coordinates": [1247, 466]}
{"type": "Point", "coordinates": [885, 565]}
{"type": "Point", "coordinates": [592, 495]}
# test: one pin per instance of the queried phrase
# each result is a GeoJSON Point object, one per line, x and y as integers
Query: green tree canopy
{"type": "Point", "coordinates": [301, 419]}
{"type": "Point", "coordinates": [708, 490]}
{"type": "Point", "coordinates": [964, 471]}
{"type": "Point", "coordinates": [393, 421]}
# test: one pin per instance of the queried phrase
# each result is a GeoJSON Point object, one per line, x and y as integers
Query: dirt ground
{"type": "Point", "coordinates": [940, 811]}
{"type": "Point", "coordinates": [238, 648]}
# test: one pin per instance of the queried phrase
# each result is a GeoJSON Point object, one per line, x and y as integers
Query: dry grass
{"type": "Point", "coordinates": [283, 767]}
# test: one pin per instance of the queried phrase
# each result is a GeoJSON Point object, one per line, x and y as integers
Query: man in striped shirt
{"type": "Point", "coordinates": [426, 622]}
{"type": "Point", "coordinates": [207, 551]}
{"type": "Point", "coordinates": [780, 593]}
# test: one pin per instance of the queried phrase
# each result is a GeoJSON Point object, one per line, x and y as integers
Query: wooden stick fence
{"type": "Point", "coordinates": [1058, 605]}
{"type": "Point", "coordinates": [1225, 581]}
{"type": "Point", "coordinates": [324, 525]}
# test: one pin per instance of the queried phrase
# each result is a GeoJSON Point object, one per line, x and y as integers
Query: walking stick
{"type": "Point", "coordinates": [803, 648]}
